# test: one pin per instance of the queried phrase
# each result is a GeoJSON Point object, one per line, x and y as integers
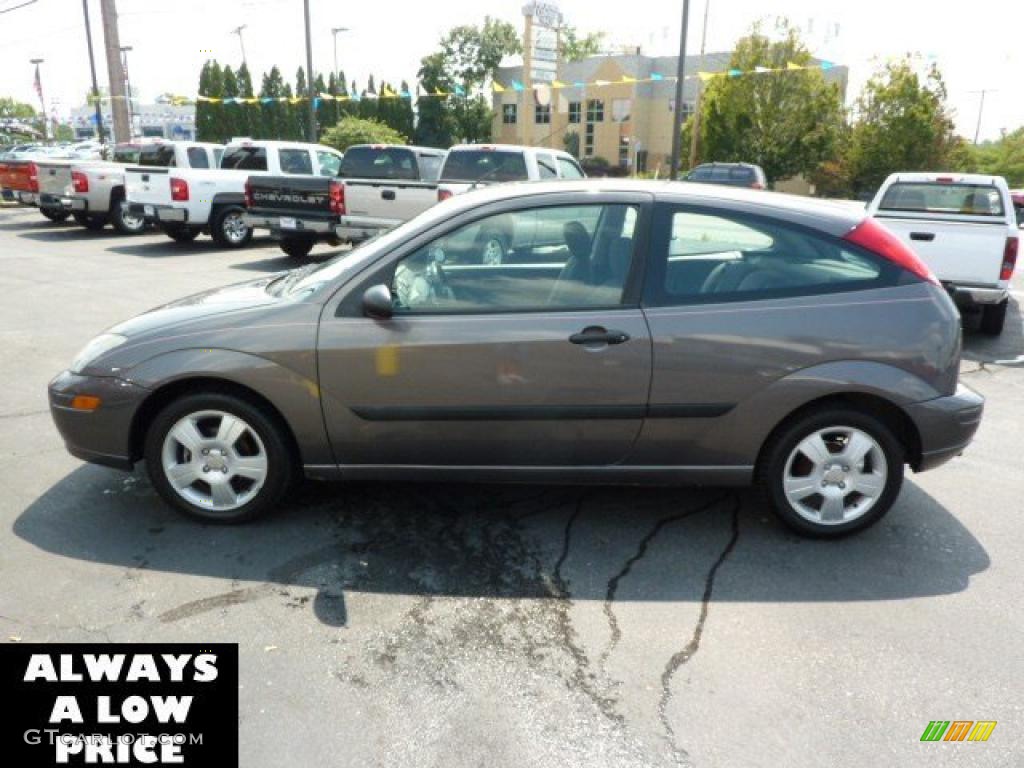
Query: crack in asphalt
{"type": "Point", "coordinates": [690, 649]}
{"type": "Point", "coordinates": [641, 551]}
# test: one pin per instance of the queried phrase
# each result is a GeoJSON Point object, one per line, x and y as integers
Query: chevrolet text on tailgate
{"type": "Point", "coordinates": [964, 227]}
{"type": "Point", "coordinates": [185, 202]}
{"type": "Point", "coordinates": [376, 187]}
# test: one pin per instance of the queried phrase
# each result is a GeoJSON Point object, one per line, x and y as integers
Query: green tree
{"type": "Point", "coordinates": [300, 110]}
{"type": "Point", "coordinates": [233, 114]}
{"type": "Point", "coordinates": [17, 110]}
{"type": "Point", "coordinates": [210, 116]}
{"type": "Point", "coordinates": [436, 126]}
{"type": "Point", "coordinates": [902, 124]}
{"type": "Point", "coordinates": [356, 130]}
{"type": "Point", "coordinates": [575, 47]}
{"type": "Point", "coordinates": [786, 122]}
{"type": "Point", "coordinates": [250, 122]}
{"type": "Point", "coordinates": [273, 114]}
{"type": "Point", "coordinates": [1004, 157]}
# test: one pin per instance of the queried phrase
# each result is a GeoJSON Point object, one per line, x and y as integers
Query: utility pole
{"type": "Point", "coordinates": [128, 83]}
{"type": "Point", "coordinates": [526, 115]}
{"type": "Point", "coordinates": [238, 31]}
{"type": "Point", "coordinates": [42, 101]}
{"type": "Point", "coordinates": [334, 91]}
{"type": "Point", "coordinates": [677, 113]}
{"type": "Point", "coordinates": [92, 70]}
{"type": "Point", "coordinates": [115, 72]}
{"type": "Point", "coordinates": [311, 127]}
{"type": "Point", "coordinates": [695, 137]}
{"type": "Point", "coordinates": [981, 109]}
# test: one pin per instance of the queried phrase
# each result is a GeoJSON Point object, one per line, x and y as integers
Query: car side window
{"type": "Point", "coordinates": [197, 158]}
{"type": "Point", "coordinates": [296, 161]}
{"type": "Point", "coordinates": [715, 258]}
{"type": "Point", "coordinates": [560, 257]}
{"type": "Point", "coordinates": [546, 167]}
{"type": "Point", "coordinates": [569, 169]}
{"type": "Point", "coordinates": [329, 163]}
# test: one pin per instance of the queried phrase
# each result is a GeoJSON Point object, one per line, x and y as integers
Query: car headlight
{"type": "Point", "coordinates": [98, 346]}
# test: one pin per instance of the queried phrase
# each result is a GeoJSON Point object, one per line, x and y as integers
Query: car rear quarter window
{"type": "Point", "coordinates": [943, 198]}
{"type": "Point", "coordinates": [329, 163]}
{"type": "Point", "coordinates": [197, 158]}
{"type": "Point", "coordinates": [295, 161]}
{"type": "Point", "coordinates": [707, 257]}
{"type": "Point", "coordinates": [245, 158]}
{"type": "Point", "coordinates": [569, 169]}
{"type": "Point", "coordinates": [379, 163]}
{"type": "Point", "coordinates": [430, 167]}
{"type": "Point", "coordinates": [485, 165]}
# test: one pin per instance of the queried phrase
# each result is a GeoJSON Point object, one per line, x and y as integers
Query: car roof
{"type": "Point", "coordinates": [831, 216]}
{"type": "Point", "coordinates": [934, 176]}
{"type": "Point", "coordinates": [489, 147]}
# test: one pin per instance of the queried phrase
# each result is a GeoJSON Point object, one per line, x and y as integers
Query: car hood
{"type": "Point", "coordinates": [238, 297]}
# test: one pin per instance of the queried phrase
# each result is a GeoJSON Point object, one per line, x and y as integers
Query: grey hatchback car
{"type": "Point", "coordinates": [632, 333]}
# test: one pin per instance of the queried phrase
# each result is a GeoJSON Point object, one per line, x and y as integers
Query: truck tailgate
{"type": "Point", "coordinates": [398, 200]}
{"type": "Point", "coordinates": [54, 177]}
{"type": "Point", "coordinates": [298, 196]}
{"type": "Point", "coordinates": [148, 186]}
{"type": "Point", "coordinates": [957, 251]}
{"type": "Point", "coordinates": [15, 174]}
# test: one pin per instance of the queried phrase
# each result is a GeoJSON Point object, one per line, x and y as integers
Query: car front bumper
{"type": "Point", "coordinates": [102, 436]}
{"type": "Point", "coordinates": [946, 426]}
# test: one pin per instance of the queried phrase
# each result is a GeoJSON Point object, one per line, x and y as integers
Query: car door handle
{"type": "Point", "coordinates": [598, 335]}
{"type": "Point", "coordinates": [926, 237]}
{"type": "Point", "coordinates": [388, 194]}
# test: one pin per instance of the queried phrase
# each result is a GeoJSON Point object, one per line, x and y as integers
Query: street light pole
{"type": "Point", "coordinates": [311, 127]}
{"type": "Point", "coordinates": [92, 70]}
{"type": "Point", "coordinates": [42, 101]}
{"type": "Point", "coordinates": [238, 31]}
{"type": "Point", "coordinates": [677, 113]}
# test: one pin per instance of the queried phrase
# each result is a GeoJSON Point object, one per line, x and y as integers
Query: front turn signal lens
{"type": "Point", "coordinates": [85, 402]}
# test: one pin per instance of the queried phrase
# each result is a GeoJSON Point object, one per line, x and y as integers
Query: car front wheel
{"type": "Point", "coordinates": [228, 229]}
{"type": "Point", "coordinates": [832, 472]}
{"type": "Point", "coordinates": [218, 458]}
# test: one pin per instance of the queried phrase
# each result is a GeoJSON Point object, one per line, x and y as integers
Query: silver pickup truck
{"type": "Point", "coordinates": [377, 187]}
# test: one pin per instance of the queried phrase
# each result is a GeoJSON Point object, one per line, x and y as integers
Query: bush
{"type": "Point", "coordinates": [357, 130]}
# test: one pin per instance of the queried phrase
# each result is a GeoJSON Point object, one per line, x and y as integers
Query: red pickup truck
{"type": "Point", "coordinates": [22, 178]}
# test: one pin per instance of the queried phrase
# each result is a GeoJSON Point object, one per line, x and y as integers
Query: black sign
{"type": "Point", "coordinates": [119, 704]}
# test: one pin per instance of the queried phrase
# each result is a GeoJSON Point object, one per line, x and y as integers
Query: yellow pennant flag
{"type": "Point", "coordinates": [705, 76]}
{"type": "Point", "coordinates": [439, 92]}
{"type": "Point", "coordinates": [498, 87]}
{"type": "Point", "coordinates": [558, 84]}
{"type": "Point", "coordinates": [791, 66]}
{"type": "Point", "coordinates": [628, 79]}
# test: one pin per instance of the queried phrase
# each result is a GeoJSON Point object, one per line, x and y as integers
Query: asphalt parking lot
{"type": "Point", "coordinates": [413, 625]}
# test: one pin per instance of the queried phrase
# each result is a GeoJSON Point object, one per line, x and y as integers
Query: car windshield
{"type": "Point", "coordinates": [378, 163]}
{"type": "Point", "coordinates": [484, 165]}
{"type": "Point", "coordinates": [963, 199]}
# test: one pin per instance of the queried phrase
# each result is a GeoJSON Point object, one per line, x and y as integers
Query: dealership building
{"type": "Point", "coordinates": [160, 120]}
{"type": "Point", "coordinates": [627, 123]}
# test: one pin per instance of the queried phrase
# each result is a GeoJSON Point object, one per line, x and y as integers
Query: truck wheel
{"type": "Point", "coordinates": [993, 318]}
{"type": "Point", "coordinates": [832, 472]}
{"type": "Point", "coordinates": [53, 214]}
{"type": "Point", "coordinates": [124, 221]}
{"type": "Point", "coordinates": [92, 223]}
{"type": "Point", "coordinates": [181, 233]}
{"type": "Point", "coordinates": [493, 249]}
{"type": "Point", "coordinates": [228, 229]}
{"type": "Point", "coordinates": [297, 247]}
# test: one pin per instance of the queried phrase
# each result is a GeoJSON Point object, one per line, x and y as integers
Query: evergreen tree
{"type": "Point", "coordinates": [299, 110]}
{"type": "Point", "coordinates": [208, 115]}
{"type": "Point", "coordinates": [325, 110]}
{"type": "Point", "coordinates": [232, 117]}
{"type": "Point", "coordinates": [368, 106]}
{"type": "Point", "coordinates": [250, 123]}
{"type": "Point", "coordinates": [435, 126]}
{"type": "Point", "coordinates": [274, 114]}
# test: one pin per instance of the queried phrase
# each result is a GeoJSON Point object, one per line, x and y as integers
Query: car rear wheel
{"type": "Point", "coordinates": [297, 247]}
{"type": "Point", "coordinates": [493, 250]}
{"type": "Point", "coordinates": [54, 214]}
{"type": "Point", "coordinates": [993, 318]}
{"type": "Point", "coordinates": [218, 458]}
{"type": "Point", "coordinates": [181, 233]}
{"type": "Point", "coordinates": [228, 229]}
{"type": "Point", "coordinates": [832, 472]}
{"type": "Point", "coordinates": [124, 220]}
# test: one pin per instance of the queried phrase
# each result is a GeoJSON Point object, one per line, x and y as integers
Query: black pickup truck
{"type": "Point", "coordinates": [378, 186]}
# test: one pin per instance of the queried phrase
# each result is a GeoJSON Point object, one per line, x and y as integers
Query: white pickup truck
{"type": "Point", "coordinates": [185, 202]}
{"type": "Point", "coordinates": [95, 193]}
{"type": "Point", "coordinates": [964, 228]}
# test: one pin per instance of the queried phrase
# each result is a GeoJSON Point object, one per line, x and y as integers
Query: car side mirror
{"type": "Point", "coordinates": [378, 303]}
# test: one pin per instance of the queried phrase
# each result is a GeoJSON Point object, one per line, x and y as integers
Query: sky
{"type": "Point", "coordinates": [976, 47]}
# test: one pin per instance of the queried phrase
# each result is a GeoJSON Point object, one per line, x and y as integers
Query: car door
{"type": "Point", "coordinates": [544, 361]}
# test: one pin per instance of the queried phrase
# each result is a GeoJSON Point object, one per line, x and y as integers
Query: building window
{"type": "Point", "coordinates": [620, 110]}
{"type": "Point", "coordinates": [542, 114]}
{"type": "Point", "coordinates": [641, 161]}
{"type": "Point", "coordinates": [575, 112]}
{"type": "Point", "coordinates": [588, 141]}
{"type": "Point", "coordinates": [688, 107]}
{"type": "Point", "coordinates": [508, 114]}
{"type": "Point", "coordinates": [623, 151]}
{"type": "Point", "coordinates": [595, 111]}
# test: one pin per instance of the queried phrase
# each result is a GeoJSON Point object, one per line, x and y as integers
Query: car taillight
{"type": "Point", "coordinates": [757, 185]}
{"type": "Point", "coordinates": [33, 177]}
{"type": "Point", "coordinates": [1009, 258]}
{"type": "Point", "coordinates": [79, 181]}
{"type": "Point", "coordinates": [248, 194]}
{"type": "Point", "coordinates": [874, 237]}
{"type": "Point", "coordinates": [179, 190]}
{"type": "Point", "coordinates": [336, 190]}
{"type": "Point", "coordinates": [443, 194]}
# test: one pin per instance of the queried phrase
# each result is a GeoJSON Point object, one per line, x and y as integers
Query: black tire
{"type": "Point", "coordinates": [772, 468]}
{"type": "Point", "coordinates": [223, 225]}
{"type": "Point", "coordinates": [181, 233]}
{"type": "Point", "coordinates": [493, 248]}
{"type": "Point", "coordinates": [281, 465]}
{"type": "Point", "coordinates": [123, 221]}
{"type": "Point", "coordinates": [993, 318]}
{"type": "Point", "coordinates": [54, 214]}
{"type": "Point", "coordinates": [297, 247]}
{"type": "Point", "coordinates": [92, 223]}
